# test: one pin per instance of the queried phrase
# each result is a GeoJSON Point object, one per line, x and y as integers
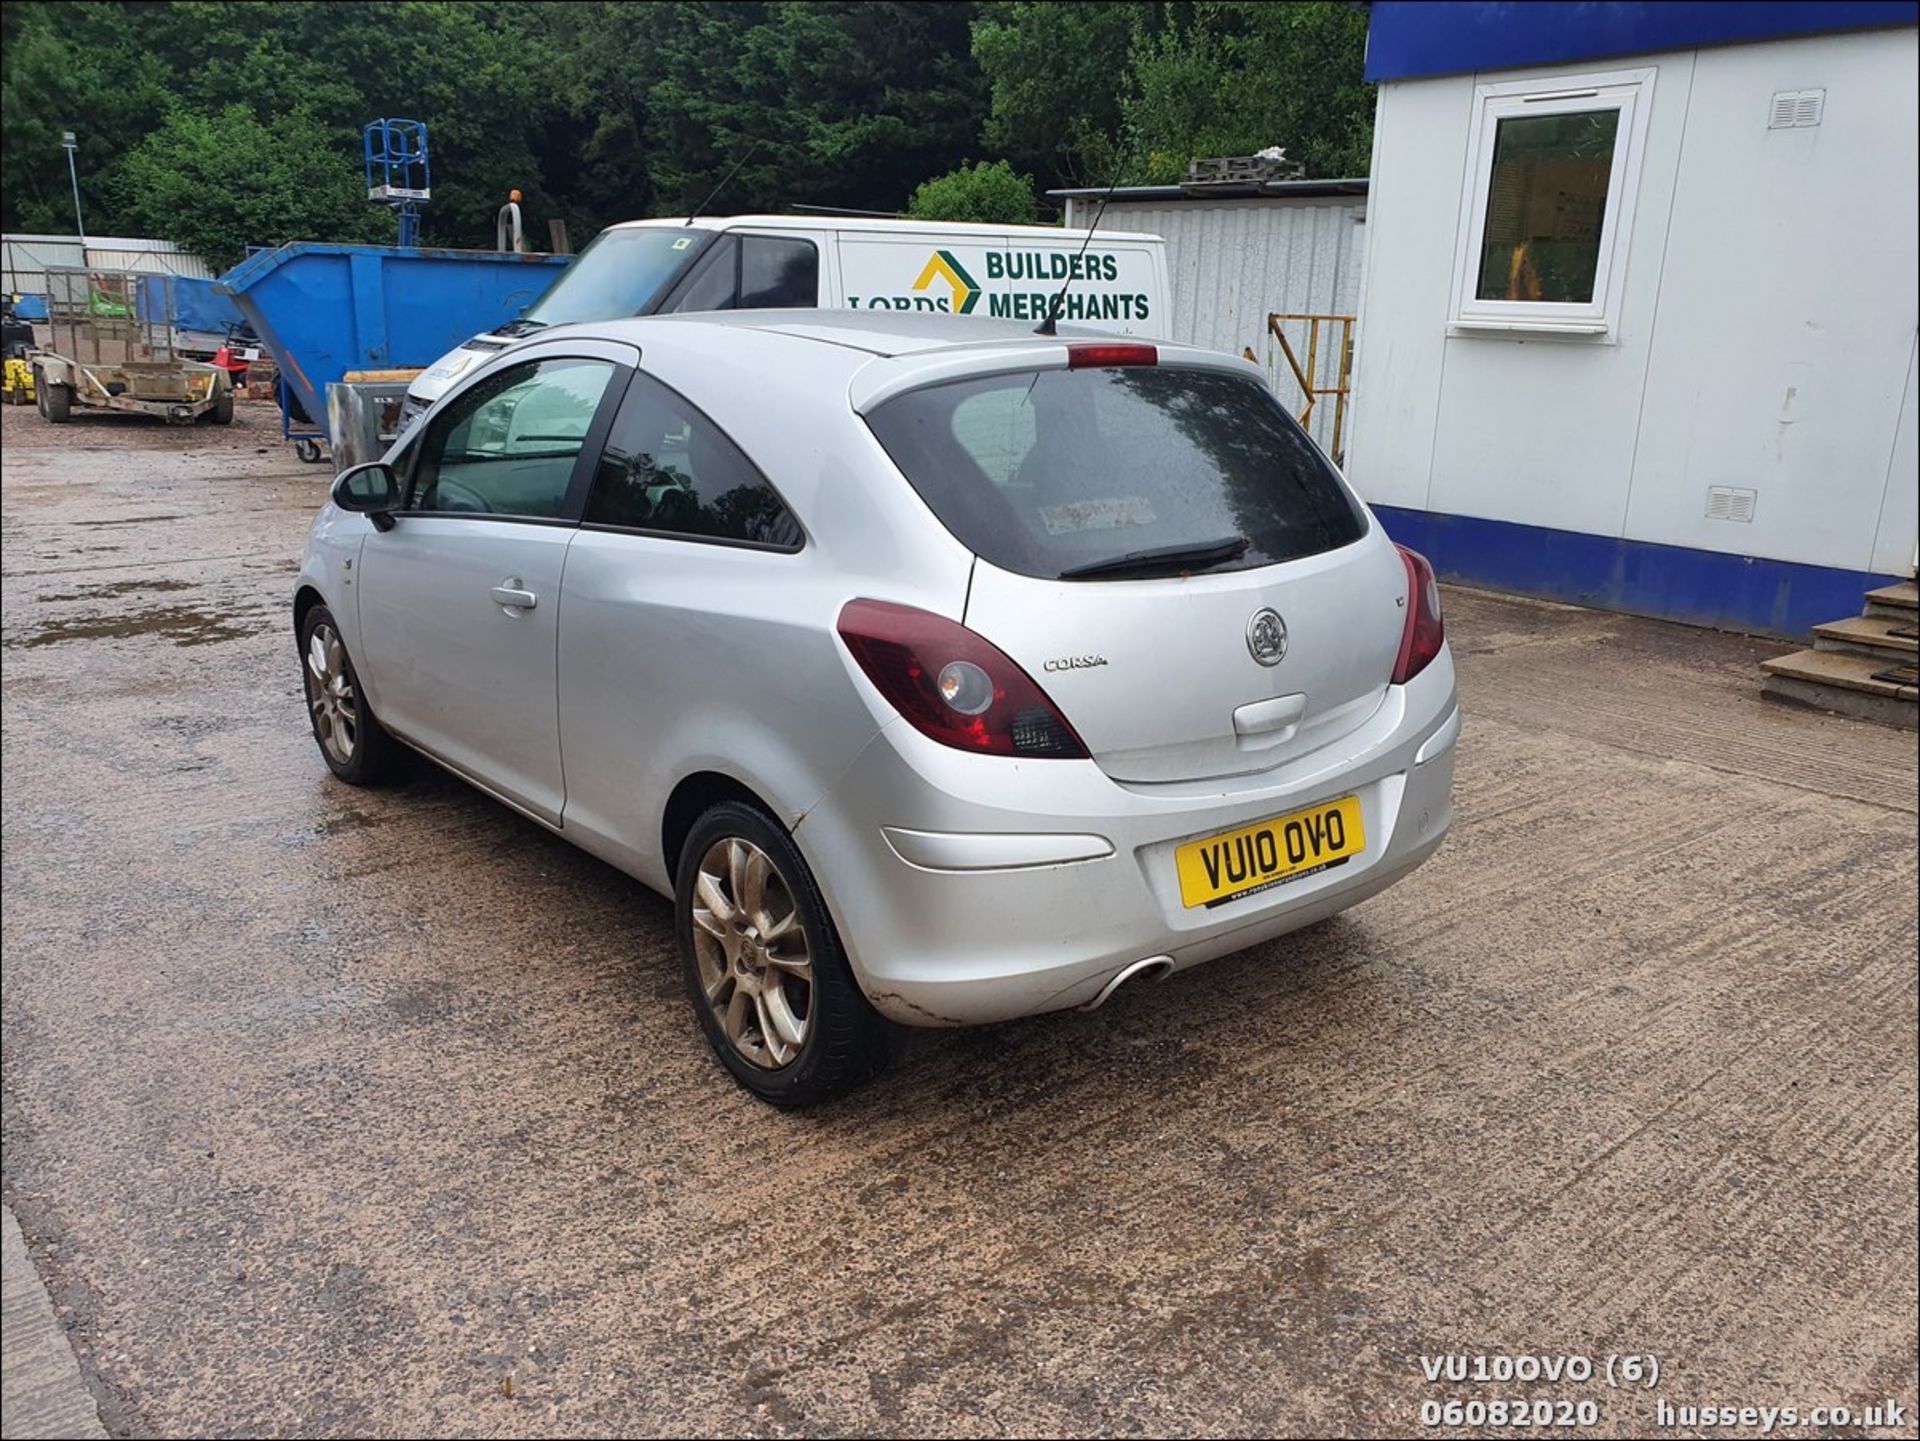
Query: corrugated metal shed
{"type": "Point", "coordinates": [25, 258]}
{"type": "Point", "coordinates": [1234, 262]}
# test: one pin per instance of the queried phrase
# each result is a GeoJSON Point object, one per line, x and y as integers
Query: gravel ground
{"type": "Point", "coordinates": [255, 427]}
{"type": "Point", "coordinates": [337, 1113]}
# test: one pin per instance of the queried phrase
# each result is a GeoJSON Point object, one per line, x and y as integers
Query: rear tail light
{"type": "Point", "coordinates": [954, 686]}
{"type": "Point", "coordinates": [1420, 642]}
{"type": "Point", "coordinates": [1084, 357]}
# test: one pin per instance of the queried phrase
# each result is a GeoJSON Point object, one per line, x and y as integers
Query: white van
{"type": "Point", "coordinates": [648, 267]}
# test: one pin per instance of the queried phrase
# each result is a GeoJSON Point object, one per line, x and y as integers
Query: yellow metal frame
{"type": "Point", "coordinates": [1341, 387]}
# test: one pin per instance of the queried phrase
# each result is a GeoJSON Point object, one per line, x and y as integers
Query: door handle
{"type": "Point", "coordinates": [513, 598]}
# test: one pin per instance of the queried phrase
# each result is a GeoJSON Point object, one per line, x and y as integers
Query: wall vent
{"type": "Point", "coordinates": [1796, 109]}
{"type": "Point", "coordinates": [1730, 502]}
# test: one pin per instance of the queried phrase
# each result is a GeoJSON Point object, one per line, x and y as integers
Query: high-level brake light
{"type": "Point", "coordinates": [1106, 353]}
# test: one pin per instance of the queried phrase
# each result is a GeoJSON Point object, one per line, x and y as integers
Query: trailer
{"type": "Point", "coordinates": [111, 347]}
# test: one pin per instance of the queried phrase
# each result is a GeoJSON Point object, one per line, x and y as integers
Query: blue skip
{"type": "Point", "coordinates": [329, 311]}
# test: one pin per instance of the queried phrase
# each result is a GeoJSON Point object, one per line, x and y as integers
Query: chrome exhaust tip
{"type": "Point", "coordinates": [1156, 967]}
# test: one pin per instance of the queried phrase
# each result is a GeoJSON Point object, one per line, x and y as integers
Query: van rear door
{"type": "Point", "coordinates": [925, 270]}
{"type": "Point", "coordinates": [1118, 284]}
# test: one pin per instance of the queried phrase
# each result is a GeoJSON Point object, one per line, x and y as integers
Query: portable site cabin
{"type": "Point", "coordinates": [1638, 315]}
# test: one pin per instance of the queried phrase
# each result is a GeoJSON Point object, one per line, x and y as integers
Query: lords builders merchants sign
{"type": "Point", "coordinates": [1113, 285]}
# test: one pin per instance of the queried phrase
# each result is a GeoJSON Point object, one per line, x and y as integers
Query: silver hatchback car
{"type": "Point", "coordinates": [941, 672]}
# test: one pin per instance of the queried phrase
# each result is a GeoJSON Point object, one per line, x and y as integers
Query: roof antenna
{"type": "Point", "coordinates": [700, 209]}
{"type": "Point", "coordinates": [1050, 326]}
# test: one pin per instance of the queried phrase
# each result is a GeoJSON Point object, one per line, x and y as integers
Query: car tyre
{"type": "Point", "coordinates": [355, 746]}
{"type": "Point", "coordinates": [760, 957]}
{"type": "Point", "coordinates": [222, 412]}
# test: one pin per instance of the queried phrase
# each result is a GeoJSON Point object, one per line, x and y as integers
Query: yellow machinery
{"type": "Point", "coordinates": [16, 388]}
{"type": "Point", "coordinates": [16, 344]}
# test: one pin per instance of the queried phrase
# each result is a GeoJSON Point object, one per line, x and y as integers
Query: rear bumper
{"type": "Point", "coordinates": [970, 889]}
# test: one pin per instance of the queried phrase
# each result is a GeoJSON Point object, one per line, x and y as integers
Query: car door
{"type": "Point", "coordinates": [459, 598]}
{"type": "Point", "coordinates": [687, 599]}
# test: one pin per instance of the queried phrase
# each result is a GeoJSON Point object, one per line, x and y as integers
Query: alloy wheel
{"type": "Point", "coordinates": [330, 694]}
{"type": "Point", "coordinates": [756, 969]}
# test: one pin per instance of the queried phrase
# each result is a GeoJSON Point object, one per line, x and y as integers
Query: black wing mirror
{"type": "Point", "coordinates": [368, 490]}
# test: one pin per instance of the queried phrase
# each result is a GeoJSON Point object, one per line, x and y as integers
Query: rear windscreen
{"type": "Point", "coordinates": [1055, 471]}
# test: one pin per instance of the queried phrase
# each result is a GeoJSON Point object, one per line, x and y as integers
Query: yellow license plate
{"type": "Point", "coordinates": [1237, 863]}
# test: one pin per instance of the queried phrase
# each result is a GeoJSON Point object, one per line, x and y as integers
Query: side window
{"type": "Point", "coordinates": [508, 445]}
{"type": "Point", "coordinates": [777, 273]}
{"type": "Point", "coordinates": [1546, 203]}
{"type": "Point", "coordinates": [1552, 175]}
{"type": "Point", "coordinates": [714, 283]}
{"type": "Point", "coordinates": [669, 468]}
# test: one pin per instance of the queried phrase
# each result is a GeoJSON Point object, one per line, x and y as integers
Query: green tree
{"type": "Point", "coordinates": [215, 183]}
{"type": "Point", "coordinates": [601, 111]}
{"type": "Point", "coordinates": [593, 147]}
{"type": "Point", "coordinates": [1055, 74]}
{"type": "Point", "coordinates": [849, 102]}
{"type": "Point", "coordinates": [988, 192]}
{"type": "Point", "coordinates": [484, 75]}
{"type": "Point", "coordinates": [76, 67]}
{"type": "Point", "coordinates": [1231, 78]}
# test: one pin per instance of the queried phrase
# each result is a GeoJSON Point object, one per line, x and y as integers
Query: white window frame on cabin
{"type": "Point", "coordinates": [1628, 91]}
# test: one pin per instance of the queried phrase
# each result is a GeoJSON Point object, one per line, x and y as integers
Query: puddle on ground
{"type": "Point", "coordinates": [333, 825]}
{"type": "Point", "coordinates": [181, 624]}
{"type": "Point", "coordinates": [350, 821]}
{"type": "Point", "coordinates": [112, 588]}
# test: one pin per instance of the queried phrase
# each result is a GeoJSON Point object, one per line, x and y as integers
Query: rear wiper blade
{"type": "Point", "coordinates": [1165, 557]}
